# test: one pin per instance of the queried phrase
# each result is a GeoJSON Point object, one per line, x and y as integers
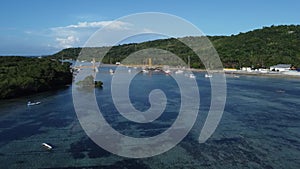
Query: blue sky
{"type": "Point", "coordinates": [39, 27]}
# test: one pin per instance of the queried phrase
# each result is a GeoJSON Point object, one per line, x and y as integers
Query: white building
{"type": "Point", "coordinates": [248, 69]}
{"type": "Point", "coordinates": [281, 67]}
{"type": "Point", "coordinates": [263, 70]}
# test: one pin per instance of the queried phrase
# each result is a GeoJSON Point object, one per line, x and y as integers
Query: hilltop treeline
{"type": "Point", "coordinates": [22, 75]}
{"type": "Point", "coordinates": [258, 48]}
{"type": "Point", "coordinates": [261, 48]}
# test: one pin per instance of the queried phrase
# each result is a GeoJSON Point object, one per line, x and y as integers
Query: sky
{"type": "Point", "coordinates": [42, 27]}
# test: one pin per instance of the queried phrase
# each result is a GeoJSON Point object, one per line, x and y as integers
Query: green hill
{"type": "Point", "coordinates": [261, 47]}
{"type": "Point", "coordinates": [258, 48]}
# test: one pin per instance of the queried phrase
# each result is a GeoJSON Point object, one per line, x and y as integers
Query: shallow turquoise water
{"type": "Point", "coordinates": [260, 127]}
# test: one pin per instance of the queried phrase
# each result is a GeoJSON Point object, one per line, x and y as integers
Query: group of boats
{"type": "Point", "coordinates": [165, 71]}
{"type": "Point", "coordinates": [179, 71]}
{"type": "Point", "coordinates": [191, 75]}
{"type": "Point", "coordinates": [168, 72]}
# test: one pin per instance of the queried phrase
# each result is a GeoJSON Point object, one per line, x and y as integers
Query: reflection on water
{"type": "Point", "coordinates": [260, 127]}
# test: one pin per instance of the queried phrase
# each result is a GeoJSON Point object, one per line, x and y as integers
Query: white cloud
{"type": "Point", "coordinates": [67, 42]}
{"type": "Point", "coordinates": [76, 35]}
{"type": "Point", "coordinates": [115, 25]}
{"type": "Point", "coordinates": [108, 24]}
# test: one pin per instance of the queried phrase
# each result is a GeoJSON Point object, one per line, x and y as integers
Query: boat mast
{"type": "Point", "coordinates": [189, 62]}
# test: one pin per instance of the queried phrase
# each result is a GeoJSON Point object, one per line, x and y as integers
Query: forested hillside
{"type": "Point", "coordinates": [261, 47]}
{"type": "Point", "coordinates": [258, 48]}
{"type": "Point", "coordinates": [22, 76]}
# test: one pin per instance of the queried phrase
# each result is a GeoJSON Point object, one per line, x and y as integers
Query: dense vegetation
{"type": "Point", "coordinates": [22, 76]}
{"type": "Point", "coordinates": [257, 48]}
{"type": "Point", "coordinates": [261, 48]}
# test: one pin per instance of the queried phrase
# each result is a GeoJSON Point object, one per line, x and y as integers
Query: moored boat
{"type": "Point", "coordinates": [111, 71]}
{"type": "Point", "coordinates": [47, 146]}
{"type": "Point", "coordinates": [179, 72]}
{"type": "Point", "coordinates": [192, 76]}
{"type": "Point", "coordinates": [33, 103]}
{"type": "Point", "coordinates": [167, 71]}
{"type": "Point", "coordinates": [208, 75]}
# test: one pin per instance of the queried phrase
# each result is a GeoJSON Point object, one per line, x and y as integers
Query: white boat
{"type": "Point", "coordinates": [208, 75]}
{"type": "Point", "coordinates": [179, 72]}
{"type": "Point", "coordinates": [280, 91]}
{"type": "Point", "coordinates": [111, 71]}
{"type": "Point", "coordinates": [167, 71]}
{"type": "Point", "coordinates": [32, 104]}
{"type": "Point", "coordinates": [47, 146]}
{"type": "Point", "coordinates": [145, 71]}
{"type": "Point", "coordinates": [192, 76]}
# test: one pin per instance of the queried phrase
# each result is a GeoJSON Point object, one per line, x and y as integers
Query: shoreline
{"type": "Point", "coordinates": [273, 75]}
{"type": "Point", "coordinates": [244, 73]}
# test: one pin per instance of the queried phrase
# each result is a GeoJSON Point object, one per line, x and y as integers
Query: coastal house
{"type": "Point", "coordinates": [248, 69]}
{"type": "Point", "coordinates": [281, 67]}
{"type": "Point", "coordinates": [261, 70]}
